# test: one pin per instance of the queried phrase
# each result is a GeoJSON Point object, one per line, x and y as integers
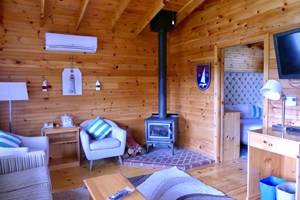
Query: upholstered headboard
{"type": "Point", "coordinates": [242, 88]}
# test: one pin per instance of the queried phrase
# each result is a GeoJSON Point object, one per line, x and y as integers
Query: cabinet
{"type": "Point", "coordinates": [64, 149]}
{"type": "Point", "coordinates": [272, 153]}
{"type": "Point", "coordinates": [231, 135]}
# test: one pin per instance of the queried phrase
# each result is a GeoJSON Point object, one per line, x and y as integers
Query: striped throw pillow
{"type": "Point", "coordinates": [9, 140]}
{"type": "Point", "coordinates": [256, 112]}
{"type": "Point", "coordinates": [99, 128]}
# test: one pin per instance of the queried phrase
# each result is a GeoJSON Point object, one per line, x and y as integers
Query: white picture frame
{"type": "Point", "coordinates": [71, 81]}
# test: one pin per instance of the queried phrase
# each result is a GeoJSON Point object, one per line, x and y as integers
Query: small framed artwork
{"type": "Point", "coordinates": [71, 81]}
{"type": "Point", "coordinates": [203, 74]}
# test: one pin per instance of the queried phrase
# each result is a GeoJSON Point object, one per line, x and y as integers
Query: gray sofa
{"type": "Point", "coordinates": [25, 176]}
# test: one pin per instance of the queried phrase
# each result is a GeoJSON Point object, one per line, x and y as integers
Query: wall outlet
{"type": "Point", "coordinates": [291, 101]}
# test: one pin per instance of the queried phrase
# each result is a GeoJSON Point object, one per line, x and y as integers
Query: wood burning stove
{"type": "Point", "coordinates": [162, 128]}
{"type": "Point", "coordinates": [161, 131]}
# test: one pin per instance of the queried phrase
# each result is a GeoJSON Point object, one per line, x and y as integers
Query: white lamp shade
{"type": "Point", "coordinates": [11, 91]}
{"type": "Point", "coordinates": [272, 90]}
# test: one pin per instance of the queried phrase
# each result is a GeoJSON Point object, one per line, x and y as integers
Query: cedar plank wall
{"type": "Point", "coordinates": [125, 65]}
{"type": "Point", "coordinates": [242, 58]}
{"type": "Point", "coordinates": [192, 43]}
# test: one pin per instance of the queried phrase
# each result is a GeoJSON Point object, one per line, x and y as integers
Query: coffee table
{"type": "Point", "coordinates": [101, 187]}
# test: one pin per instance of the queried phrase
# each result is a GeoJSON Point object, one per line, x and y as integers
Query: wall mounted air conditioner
{"type": "Point", "coordinates": [70, 43]}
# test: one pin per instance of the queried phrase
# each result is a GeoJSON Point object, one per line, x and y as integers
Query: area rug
{"type": "Point", "coordinates": [162, 158]}
{"type": "Point", "coordinates": [168, 184]}
{"type": "Point", "coordinates": [174, 184]}
{"type": "Point", "coordinates": [80, 193]}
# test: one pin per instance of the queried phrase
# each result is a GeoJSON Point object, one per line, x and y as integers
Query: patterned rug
{"type": "Point", "coordinates": [80, 193]}
{"type": "Point", "coordinates": [162, 158]}
{"type": "Point", "coordinates": [162, 185]}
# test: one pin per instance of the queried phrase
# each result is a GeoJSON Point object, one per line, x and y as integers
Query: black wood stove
{"type": "Point", "coordinates": [162, 129]}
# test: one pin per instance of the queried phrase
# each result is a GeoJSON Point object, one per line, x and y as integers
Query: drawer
{"type": "Point", "coordinates": [274, 144]}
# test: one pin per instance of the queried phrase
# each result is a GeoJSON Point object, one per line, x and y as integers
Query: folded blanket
{"type": "Point", "coordinates": [175, 184]}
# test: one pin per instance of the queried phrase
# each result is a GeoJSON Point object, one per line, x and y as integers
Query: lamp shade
{"type": "Point", "coordinates": [272, 90]}
{"type": "Point", "coordinates": [11, 91]}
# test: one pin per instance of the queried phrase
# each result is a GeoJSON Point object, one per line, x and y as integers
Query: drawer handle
{"type": "Point", "coordinates": [270, 144]}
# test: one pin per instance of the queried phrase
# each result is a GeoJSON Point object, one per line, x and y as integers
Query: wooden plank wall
{"type": "Point", "coordinates": [125, 65]}
{"type": "Point", "coordinates": [243, 58]}
{"type": "Point", "coordinates": [192, 43]}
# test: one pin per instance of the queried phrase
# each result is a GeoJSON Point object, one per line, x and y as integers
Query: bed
{"type": "Point", "coordinates": [250, 118]}
{"type": "Point", "coordinates": [246, 125]}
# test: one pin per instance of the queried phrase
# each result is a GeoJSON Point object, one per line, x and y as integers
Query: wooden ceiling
{"type": "Point", "coordinates": [131, 16]}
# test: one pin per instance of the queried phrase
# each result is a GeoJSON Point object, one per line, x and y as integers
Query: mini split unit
{"type": "Point", "coordinates": [70, 43]}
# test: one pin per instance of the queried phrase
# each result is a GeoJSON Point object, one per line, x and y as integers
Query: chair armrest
{"type": "Point", "coordinates": [85, 140]}
{"type": "Point", "coordinates": [9, 164]}
{"type": "Point", "coordinates": [119, 134]}
{"type": "Point", "coordinates": [36, 143]}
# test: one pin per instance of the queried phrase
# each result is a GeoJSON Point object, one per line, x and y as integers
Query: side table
{"type": "Point", "coordinates": [64, 149]}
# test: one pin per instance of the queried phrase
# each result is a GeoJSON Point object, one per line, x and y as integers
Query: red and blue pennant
{"type": "Point", "coordinates": [203, 76]}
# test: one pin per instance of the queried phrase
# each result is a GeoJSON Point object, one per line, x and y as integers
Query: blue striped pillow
{"type": "Point", "coordinates": [256, 112]}
{"type": "Point", "coordinates": [9, 140]}
{"type": "Point", "coordinates": [99, 128]}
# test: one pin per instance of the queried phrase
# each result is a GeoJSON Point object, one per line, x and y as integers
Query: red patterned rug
{"type": "Point", "coordinates": [162, 158]}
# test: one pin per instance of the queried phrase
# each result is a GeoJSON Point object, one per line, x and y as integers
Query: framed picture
{"type": "Point", "coordinates": [71, 81]}
{"type": "Point", "coordinates": [203, 76]}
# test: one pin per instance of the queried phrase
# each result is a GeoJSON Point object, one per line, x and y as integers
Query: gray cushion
{"type": "Point", "coordinates": [105, 143]}
{"type": "Point", "coordinates": [29, 184]}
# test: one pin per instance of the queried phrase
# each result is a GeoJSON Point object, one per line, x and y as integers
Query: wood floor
{"type": "Point", "coordinates": [229, 177]}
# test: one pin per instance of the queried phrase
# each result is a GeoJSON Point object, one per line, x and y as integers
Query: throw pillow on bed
{"type": "Point", "coordinates": [256, 111]}
{"type": "Point", "coordinates": [99, 128]}
{"type": "Point", "coordinates": [9, 140]}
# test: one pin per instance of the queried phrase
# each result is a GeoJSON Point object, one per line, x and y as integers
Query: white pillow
{"type": "Point", "coordinates": [13, 151]}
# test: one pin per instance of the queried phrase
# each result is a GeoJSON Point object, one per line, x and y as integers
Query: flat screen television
{"type": "Point", "coordinates": [287, 49]}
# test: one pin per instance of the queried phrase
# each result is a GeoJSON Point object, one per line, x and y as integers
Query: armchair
{"type": "Point", "coordinates": [110, 146]}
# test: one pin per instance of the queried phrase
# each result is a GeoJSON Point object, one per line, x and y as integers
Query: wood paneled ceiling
{"type": "Point", "coordinates": [130, 16]}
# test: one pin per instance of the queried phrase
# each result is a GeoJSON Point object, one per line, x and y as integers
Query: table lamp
{"type": "Point", "coordinates": [13, 91]}
{"type": "Point", "coordinates": [272, 90]}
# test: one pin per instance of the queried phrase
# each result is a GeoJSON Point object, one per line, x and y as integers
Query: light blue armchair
{"type": "Point", "coordinates": [110, 146]}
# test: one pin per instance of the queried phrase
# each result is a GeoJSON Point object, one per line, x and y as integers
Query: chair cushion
{"type": "Point", "coordinates": [106, 143]}
{"type": "Point", "coordinates": [99, 128]}
{"type": "Point", "coordinates": [9, 140]}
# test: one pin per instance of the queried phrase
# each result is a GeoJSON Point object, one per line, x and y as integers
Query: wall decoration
{"type": "Point", "coordinates": [45, 86]}
{"type": "Point", "coordinates": [203, 76]}
{"type": "Point", "coordinates": [72, 81]}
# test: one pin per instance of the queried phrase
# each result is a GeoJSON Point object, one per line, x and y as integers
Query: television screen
{"type": "Point", "coordinates": [287, 49]}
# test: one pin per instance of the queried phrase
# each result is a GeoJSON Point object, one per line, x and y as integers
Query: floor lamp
{"type": "Point", "coordinates": [272, 90]}
{"type": "Point", "coordinates": [13, 91]}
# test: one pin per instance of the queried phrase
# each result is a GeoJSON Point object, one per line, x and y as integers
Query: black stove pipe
{"type": "Point", "coordinates": [162, 73]}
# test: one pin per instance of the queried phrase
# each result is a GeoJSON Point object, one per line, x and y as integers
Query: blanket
{"type": "Point", "coordinates": [174, 184]}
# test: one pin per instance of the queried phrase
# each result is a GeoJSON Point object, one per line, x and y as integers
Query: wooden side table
{"type": "Point", "coordinates": [64, 149]}
{"type": "Point", "coordinates": [102, 187]}
{"type": "Point", "coordinates": [272, 153]}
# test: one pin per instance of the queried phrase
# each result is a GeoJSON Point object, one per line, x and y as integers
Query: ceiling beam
{"type": "Point", "coordinates": [118, 12]}
{"type": "Point", "coordinates": [157, 6]}
{"type": "Point", "coordinates": [82, 12]}
{"type": "Point", "coordinates": [187, 10]}
{"type": "Point", "coordinates": [42, 13]}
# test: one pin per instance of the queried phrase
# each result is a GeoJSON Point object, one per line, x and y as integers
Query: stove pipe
{"type": "Point", "coordinates": [162, 74]}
